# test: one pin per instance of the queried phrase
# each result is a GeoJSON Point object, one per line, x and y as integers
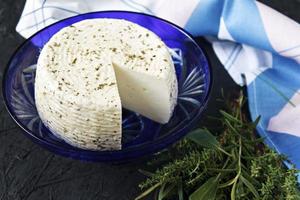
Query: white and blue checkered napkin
{"type": "Point", "coordinates": [257, 45]}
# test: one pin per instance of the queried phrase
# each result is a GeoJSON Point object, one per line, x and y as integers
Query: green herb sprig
{"type": "Point", "coordinates": [234, 165]}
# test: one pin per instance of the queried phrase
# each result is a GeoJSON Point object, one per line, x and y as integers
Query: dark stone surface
{"type": "Point", "coordinates": [29, 172]}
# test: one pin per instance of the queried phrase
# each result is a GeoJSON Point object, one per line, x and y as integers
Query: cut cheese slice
{"type": "Point", "coordinates": [88, 69]}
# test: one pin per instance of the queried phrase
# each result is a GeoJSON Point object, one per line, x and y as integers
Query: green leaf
{"type": "Point", "coordinates": [228, 183]}
{"type": "Point", "coordinates": [161, 191]}
{"type": "Point", "coordinates": [165, 191]}
{"type": "Point", "coordinates": [229, 125]}
{"type": "Point", "coordinates": [203, 138]}
{"type": "Point", "coordinates": [180, 191]}
{"type": "Point", "coordinates": [250, 186]}
{"type": "Point", "coordinates": [207, 191]}
{"type": "Point", "coordinates": [229, 117]}
{"type": "Point", "coordinates": [255, 123]}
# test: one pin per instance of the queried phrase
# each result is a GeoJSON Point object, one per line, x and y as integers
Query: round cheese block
{"type": "Point", "coordinates": [89, 70]}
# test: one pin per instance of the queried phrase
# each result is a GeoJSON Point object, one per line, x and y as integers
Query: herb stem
{"type": "Point", "coordinates": [151, 189]}
{"type": "Point", "coordinates": [196, 178]}
{"type": "Point", "coordinates": [225, 152]}
{"type": "Point", "coordinates": [221, 170]}
{"type": "Point", "coordinates": [236, 178]}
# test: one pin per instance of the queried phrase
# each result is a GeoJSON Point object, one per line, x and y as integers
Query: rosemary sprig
{"type": "Point", "coordinates": [233, 165]}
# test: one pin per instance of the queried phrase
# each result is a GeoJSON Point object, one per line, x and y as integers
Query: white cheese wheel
{"type": "Point", "coordinates": [86, 70]}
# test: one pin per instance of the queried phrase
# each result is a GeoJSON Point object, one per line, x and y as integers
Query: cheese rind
{"type": "Point", "coordinates": [85, 112]}
{"type": "Point", "coordinates": [87, 69]}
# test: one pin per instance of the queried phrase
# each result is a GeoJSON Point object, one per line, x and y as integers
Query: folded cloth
{"type": "Point", "coordinates": [258, 46]}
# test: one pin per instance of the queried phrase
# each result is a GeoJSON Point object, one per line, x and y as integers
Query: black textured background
{"type": "Point", "coordinates": [29, 172]}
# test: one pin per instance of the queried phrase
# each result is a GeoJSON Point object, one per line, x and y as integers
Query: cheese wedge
{"type": "Point", "coordinates": [89, 70]}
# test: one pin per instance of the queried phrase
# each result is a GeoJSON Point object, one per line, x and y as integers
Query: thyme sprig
{"type": "Point", "coordinates": [233, 165]}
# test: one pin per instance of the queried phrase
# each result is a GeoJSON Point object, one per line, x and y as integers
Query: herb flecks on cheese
{"type": "Point", "coordinates": [89, 70]}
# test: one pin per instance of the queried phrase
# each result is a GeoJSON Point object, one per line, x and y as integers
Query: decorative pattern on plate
{"type": "Point", "coordinates": [22, 99]}
{"type": "Point", "coordinates": [191, 89]}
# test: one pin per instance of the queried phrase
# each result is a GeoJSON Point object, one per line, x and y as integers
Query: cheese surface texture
{"type": "Point", "coordinates": [89, 70]}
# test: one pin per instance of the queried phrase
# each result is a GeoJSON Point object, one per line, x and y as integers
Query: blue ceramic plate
{"type": "Point", "coordinates": [141, 136]}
